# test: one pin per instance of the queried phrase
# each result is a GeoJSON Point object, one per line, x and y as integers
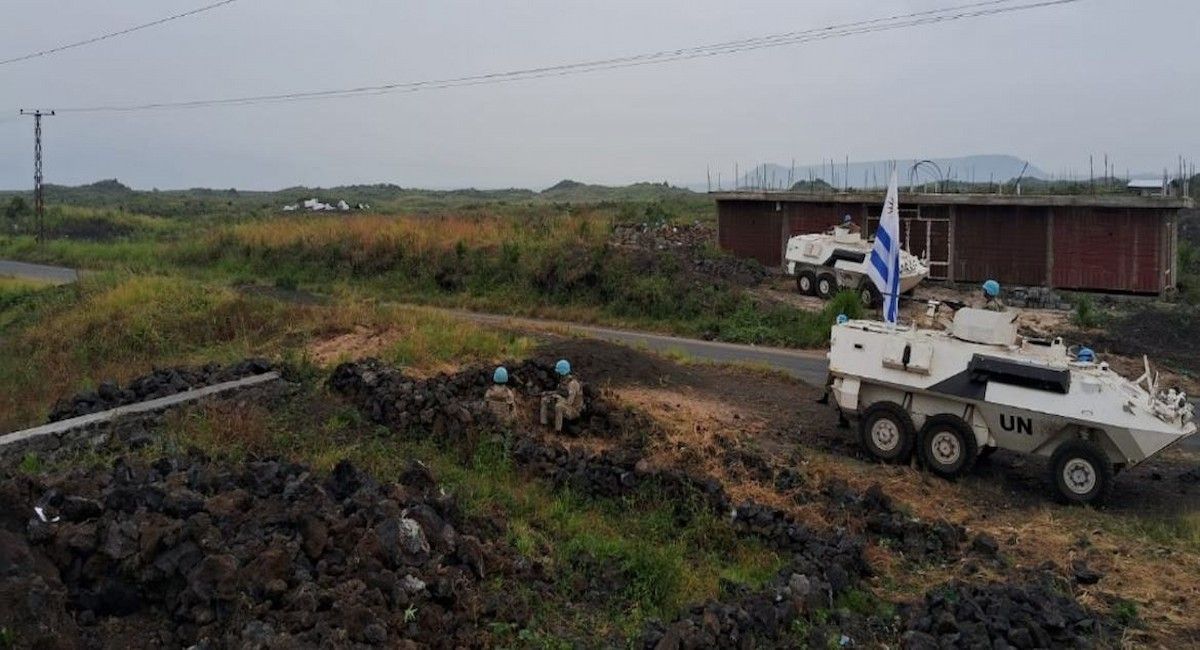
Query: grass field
{"type": "Point", "coordinates": [115, 327]}
{"type": "Point", "coordinates": [537, 259]}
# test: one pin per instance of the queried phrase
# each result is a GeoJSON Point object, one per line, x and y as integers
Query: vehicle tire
{"type": "Point", "coordinates": [887, 432]}
{"type": "Point", "coordinates": [947, 446]}
{"type": "Point", "coordinates": [1081, 472]}
{"type": "Point", "coordinates": [827, 285]}
{"type": "Point", "coordinates": [869, 296]}
{"type": "Point", "coordinates": [806, 283]}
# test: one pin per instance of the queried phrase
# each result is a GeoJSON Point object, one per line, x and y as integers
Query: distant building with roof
{"type": "Point", "coordinates": [1107, 243]}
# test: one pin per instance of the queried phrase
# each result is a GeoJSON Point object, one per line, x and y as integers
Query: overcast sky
{"type": "Point", "coordinates": [1051, 85]}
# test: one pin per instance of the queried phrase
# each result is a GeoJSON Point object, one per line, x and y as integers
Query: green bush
{"type": "Point", "coordinates": [1126, 612]}
{"type": "Point", "coordinates": [1189, 272]}
{"type": "Point", "coordinates": [1087, 315]}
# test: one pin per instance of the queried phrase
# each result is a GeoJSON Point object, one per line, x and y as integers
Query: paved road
{"type": "Point", "coordinates": [807, 365]}
{"type": "Point", "coordinates": [38, 272]}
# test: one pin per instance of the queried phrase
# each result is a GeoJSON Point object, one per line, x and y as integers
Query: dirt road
{"type": "Point", "coordinates": [38, 272]}
{"type": "Point", "coordinates": [806, 365]}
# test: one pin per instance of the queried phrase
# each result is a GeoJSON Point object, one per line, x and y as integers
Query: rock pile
{"type": "Point", "coordinates": [744, 619]}
{"type": "Point", "coordinates": [186, 551]}
{"type": "Point", "coordinates": [447, 406]}
{"type": "Point", "coordinates": [826, 563]}
{"type": "Point", "coordinates": [919, 540]}
{"type": "Point", "coordinates": [159, 383]}
{"type": "Point", "coordinates": [997, 615]}
{"type": "Point", "coordinates": [1035, 298]}
{"type": "Point", "coordinates": [695, 245]}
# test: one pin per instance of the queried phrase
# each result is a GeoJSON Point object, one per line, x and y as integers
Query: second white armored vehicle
{"type": "Point", "coordinates": [953, 396]}
{"type": "Point", "coordinates": [830, 262]}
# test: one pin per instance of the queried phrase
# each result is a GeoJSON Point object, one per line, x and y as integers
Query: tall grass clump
{"type": "Point", "coordinates": [1086, 314]}
{"type": "Point", "coordinates": [782, 325]}
{"type": "Point", "coordinates": [1189, 272]}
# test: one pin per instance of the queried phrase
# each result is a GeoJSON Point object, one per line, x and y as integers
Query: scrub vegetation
{"type": "Point", "coordinates": [114, 327]}
{"type": "Point", "coordinates": [548, 255]}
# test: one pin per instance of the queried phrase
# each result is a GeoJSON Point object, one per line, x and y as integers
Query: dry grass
{"type": "Point", "coordinates": [415, 235]}
{"type": "Point", "coordinates": [1153, 562]}
{"type": "Point", "coordinates": [233, 427]}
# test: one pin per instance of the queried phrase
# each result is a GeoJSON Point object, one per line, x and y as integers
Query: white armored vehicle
{"type": "Point", "coordinates": [953, 396]}
{"type": "Point", "coordinates": [830, 262]}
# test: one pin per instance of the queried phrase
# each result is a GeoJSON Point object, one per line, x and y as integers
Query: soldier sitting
{"type": "Point", "coordinates": [499, 398]}
{"type": "Point", "coordinates": [567, 401]}
{"type": "Point", "coordinates": [991, 296]}
{"type": "Point", "coordinates": [848, 224]}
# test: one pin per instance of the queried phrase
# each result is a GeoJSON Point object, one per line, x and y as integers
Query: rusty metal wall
{"type": "Point", "coordinates": [1005, 243]}
{"type": "Point", "coordinates": [805, 218]}
{"type": "Point", "coordinates": [752, 229]}
{"type": "Point", "coordinates": [1110, 249]}
{"type": "Point", "coordinates": [1089, 248]}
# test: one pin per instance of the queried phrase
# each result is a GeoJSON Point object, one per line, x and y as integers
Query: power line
{"type": "Point", "coordinates": [104, 37]}
{"type": "Point", "coordinates": [973, 10]}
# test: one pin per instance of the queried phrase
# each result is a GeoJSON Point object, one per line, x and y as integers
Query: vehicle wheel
{"type": "Point", "coordinates": [826, 285]}
{"type": "Point", "coordinates": [1081, 472]}
{"type": "Point", "coordinates": [869, 295]}
{"type": "Point", "coordinates": [948, 446]}
{"type": "Point", "coordinates": [887, 432]}
{"type": "Point", "coordinates": [806, 283]}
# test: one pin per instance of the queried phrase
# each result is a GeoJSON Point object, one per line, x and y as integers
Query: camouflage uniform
{"type": "Point", "coordinates": [992, 303]}
{"type": "Point", "coordinates": [499, 399]}
{"type": "Point", "coordinates": [567, 402]}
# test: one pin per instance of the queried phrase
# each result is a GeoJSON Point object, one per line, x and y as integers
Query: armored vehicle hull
{"type": "Point", "coordinates": [952, 396]}
{"type": "Point", "coordinates": [827, 263]}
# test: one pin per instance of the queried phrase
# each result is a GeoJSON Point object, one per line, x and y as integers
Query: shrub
{"type": "Point", "coordinates": [1126, 612]}
{"type": "Point", "coordinates": [1086, 314]}
{"type": "Point", "coordinates": [16, 208]}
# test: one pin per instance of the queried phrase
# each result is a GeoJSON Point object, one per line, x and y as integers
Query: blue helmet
{"type": "Point", "coordinates": [500, 376]}
{"type": "Point", "coordinates": [846, 218]}
{"type": "Point", "coordinates": [563, 367]}
{"type": "Point", "coordinates": [1085, 355]}
{"type": "Point", "coordinates": [842, 319]}
{"type": "Point", "coordinates": [991, 288]}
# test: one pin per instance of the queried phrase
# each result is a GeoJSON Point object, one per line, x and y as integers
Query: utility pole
{"type": "Point", "coordinates": [39, 199]}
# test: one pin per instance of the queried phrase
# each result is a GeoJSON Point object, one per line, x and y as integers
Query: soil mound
{"type": "Point", "coordinates": [267, 554]}
{"type": "Point", "coordinates": [1165, 335]}
{"type": "Point", "coordinates": [159, 383]}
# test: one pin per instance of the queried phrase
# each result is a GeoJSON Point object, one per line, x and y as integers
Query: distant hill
{"type": "Point", "coordinates": [575, 192]}
{"type": "Point", "coordinates": [978, 169]}
{"type": "Point", "coordinates": [200, 201]}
